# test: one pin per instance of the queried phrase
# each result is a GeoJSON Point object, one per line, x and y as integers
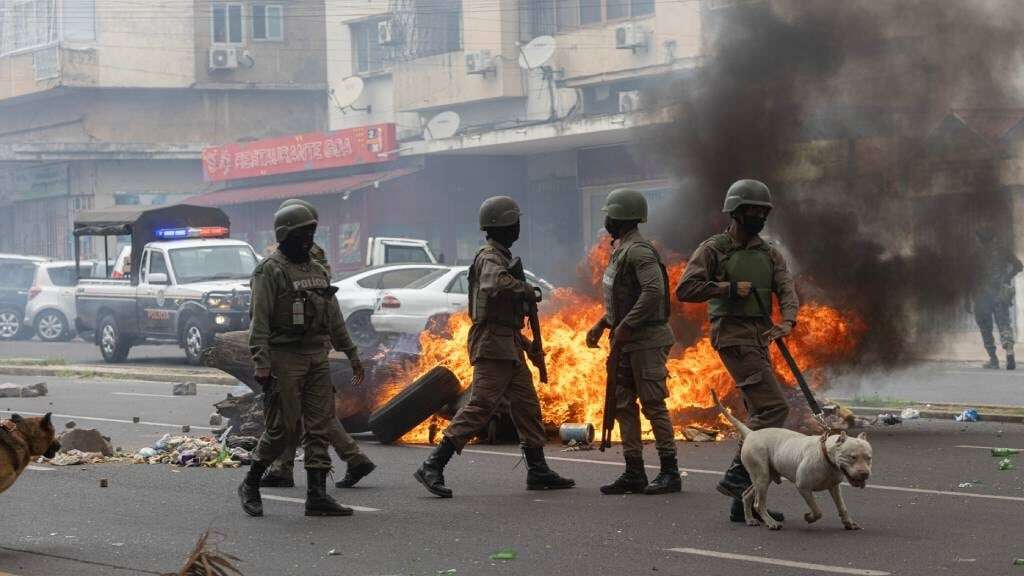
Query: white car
{"type": "Point", "coordinates": [50, 311]}
{"type": "Point", "coordinates": [430, 299]}
{"type": "Point", "coordinates": [358, 294]}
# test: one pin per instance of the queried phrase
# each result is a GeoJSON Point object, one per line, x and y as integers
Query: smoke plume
{"type": "Point", "coordinates": [845, 109]}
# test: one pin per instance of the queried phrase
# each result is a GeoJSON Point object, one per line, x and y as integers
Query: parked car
{"type": "Point", "coordinates": [430, 301]}
{"type": "Point", "coordinates": [51, 312]}
{"type": "Point", "coordinates": [358, 293]}
{"type": "Point", "coordinates": [16, 276]}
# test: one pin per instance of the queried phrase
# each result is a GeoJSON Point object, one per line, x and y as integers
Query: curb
{"type": "Point", "coordinates": [80, 371]}
{"type": "Point", "coordinates": [940, 414]}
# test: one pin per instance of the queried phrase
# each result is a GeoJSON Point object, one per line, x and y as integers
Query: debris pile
{"type": "Point", "coordinates": [77, 458]}
{"type": "Point", "coordinates": [700, 434]}
{"type": "Point", "coordinates": [85, 441]}
{"type": "Point", "coordinates": [190, 451]}
{"type": "Point", "coordinates": [9, 390]}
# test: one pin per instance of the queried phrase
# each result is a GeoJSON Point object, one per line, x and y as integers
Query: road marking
{"type": "Point", "coordinates": [719, 473]}
{"type": "Point", "coordinates": [984, 447]}
{"type": "Point", "coordinates": [141, 394]}
{"type": "Point", "coordinates": [302, 501]}
{"type": "Point", "coordinates": [73, 417]}
{"type": "Point", "coordinates": [41, 469]}
{"type": "Point", "coordinates": [777, 562]}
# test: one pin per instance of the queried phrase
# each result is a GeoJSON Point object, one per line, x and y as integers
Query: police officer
{"type": "Point", "coordinates": [358, 465]}
{"type": "Point", "coordinates": [294, 315]}
{"type": "Point", "coordinates": [724, 271]}
{"type": "Point", "coordinates": [995, 294]}
{"type": "Point", "coordinates": [636, 303]}
{"type": "Point", "coordinates": [497, 292]}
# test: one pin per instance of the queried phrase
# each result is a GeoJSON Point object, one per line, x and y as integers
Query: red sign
{"type": "Point", "coordinates": [313, 151]}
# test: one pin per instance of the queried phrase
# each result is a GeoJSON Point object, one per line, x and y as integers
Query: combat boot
{"type": "Point", "coordinates": [1011, 362]}
{"type": "Point", "coordinates": [431, 473]}
{"type": "Point", "coordinates": [736, 480]}
{"type": "Point", "coordinates": [736, 513]}
{"type": "Point", "coordinates": [632, 481]}
{"type": "Point", "coordinates": [249, 489]}
{"type": "Point", "coordinates": [359, 467]}
{"type": "Point", "coordinates": [277, 479]}
{"type": "Point", "coordinates": [668, 479]}
{"type": "Point", "coordinates": [318, 502]}
{"type": "Point", "coordinates": [993, 360]}
{"type": "Point", "coordinates": [539, 476]}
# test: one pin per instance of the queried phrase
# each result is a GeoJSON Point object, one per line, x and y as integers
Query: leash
{"type": "Point", "coordinates": [808, 395]}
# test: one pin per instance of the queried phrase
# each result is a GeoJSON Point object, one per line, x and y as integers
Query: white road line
{"type": "Point", "coordinates": [141, 394]}
{"type": "Point", "coordinates": [40, 468]}
{"type": "Point", "coordinates": [777, 562]}
{"type": "Point", "coordinates": [73, 417]}
{"type": "Point", "coordinates": [985, 447]}
{"type": "Point", "coordinates": [719, 473]}
{"type": "Point", "coordinates": [302, 501]}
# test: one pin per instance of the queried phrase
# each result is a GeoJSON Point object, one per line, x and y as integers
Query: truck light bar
{"type": "Point", "coordinates": [204, 232]}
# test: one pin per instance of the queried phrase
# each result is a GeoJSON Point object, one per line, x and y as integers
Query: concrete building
{"type": "Point", "coordinates": [110, 103]}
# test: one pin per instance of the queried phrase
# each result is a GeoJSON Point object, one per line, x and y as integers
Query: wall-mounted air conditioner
{"type": "Point", "coordinates": [479, 62]}
{"type": "Point", "coordinates": [223, 58]}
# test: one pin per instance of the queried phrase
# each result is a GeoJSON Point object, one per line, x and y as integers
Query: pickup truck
{"type": "Point", "coordinates": [188, 281]}
{"type": "Point", "coordinates": [381, 251]}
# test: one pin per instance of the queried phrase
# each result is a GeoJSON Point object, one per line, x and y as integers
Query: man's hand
{"type": "Point", "coordinates": [358, 372]}
{"type": "Point", "coordinates": [595, 333]}
{"type": "Point", "coordinates": [778, 331]}
{"type": "Point", "coordinates": [743, 289]}
{"type": "Point", "coordinates": [623, 333]}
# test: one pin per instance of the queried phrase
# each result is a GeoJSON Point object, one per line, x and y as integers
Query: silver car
{"type": "Point", "coordinates": [50, 311]}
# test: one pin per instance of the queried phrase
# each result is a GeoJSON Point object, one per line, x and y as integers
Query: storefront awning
{"type": "Point", "coordinates": [305, 188]}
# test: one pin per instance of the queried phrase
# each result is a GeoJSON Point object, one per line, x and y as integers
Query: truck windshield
{"type": "Point", "coordinates": [212, 263]}
{"type": "Point", "coordinates": [412, 254]}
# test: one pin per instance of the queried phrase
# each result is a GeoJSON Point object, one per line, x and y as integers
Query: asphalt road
{"type": "Point", "coordinates": [916, 518]}
{"type": "Point", "coordinates": [81, 352]}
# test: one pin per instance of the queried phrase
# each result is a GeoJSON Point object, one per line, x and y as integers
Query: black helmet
{"type": "Point", "coordinates": [498, 212]}
{"type": "Point", "coordinates": [747, 193]}
{"type": "Point", "coordinates": [291, 218]}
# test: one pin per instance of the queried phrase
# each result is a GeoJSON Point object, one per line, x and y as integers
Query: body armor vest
{"type": "Point", "coordinates": [752, 265]}
{"type": "Point", "coordinates": [617, 303]}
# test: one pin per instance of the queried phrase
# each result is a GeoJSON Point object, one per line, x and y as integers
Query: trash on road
{"type": "Point", "coordinates": [970, 484]}
{"type": "Point", "coordinates": [135, 419]}
{"type": "Point", "coordinates": [1002, 452]}
{"type": "Point", "coordinates": [104, 482]}
{"type": "Point", "coordinates": [700, 434]}
{"type": "Point", "coordinates": [186, 429]}
{"type": "Point", "coordinates": [190, 451]}
{"type": "Point", "coordinates": [890, 419]}
{"type": "Point", "coordinates": [85, 440]}
{"type": "Point", "coordinates": [184, 389]}
{"type": "Point", "coordinates": [506, 554]}
{"type": "Point", "coordinates": [1006, 464]}
{"type": "Point", "coordinates": [1018, 561]}
{"type": "Point", "coordinates": [78, 458]}
{"type": "Point", "coordinates": [333, 552]}
{"type": "Point", "coordinates": [910, 414]}
{"type": "Point", "coordinates": [216, 419]}
{"type": "Point", "coordinates": [9, 390]}
{"type": "Point", "coordinates": [70, 424]}
{"type": "Point", "coordinates": [576, 433]}
{"type": "Point", "coordinates": [968, 415]}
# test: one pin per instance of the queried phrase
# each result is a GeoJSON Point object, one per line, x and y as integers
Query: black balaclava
{"type": "Point", "coordinates": [298, 243]}
{"type": "Point", "coordinates": [504, 235]}
{"type": "Point", "coordinates": [751, 223]}
{"type": "Point", "coordinates": [618, 228]}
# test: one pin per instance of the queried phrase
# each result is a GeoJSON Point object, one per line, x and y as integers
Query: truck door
{"type": "Point", "coordinates": [157, 312]}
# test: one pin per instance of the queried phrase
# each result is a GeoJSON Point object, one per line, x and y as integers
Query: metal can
{"type": "Point", "coordinates": [581, 433]}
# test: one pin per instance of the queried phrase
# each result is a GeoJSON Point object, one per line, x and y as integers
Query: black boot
{"type": "Point", "coordinates": [431, 473]}
{"type": "Point", "coordinates": [993, 360]}
{"type": "Point", "coordinates": [539, 476]}
{"type": "Point", "coordinates": [632, 481]}
{"type": "Point", "coordinates": [1011, 362]}
{"type": "Point", "coordinates": [668, 479]}
{"type": "Point", "coordinates": [358, 468]}
{"type": "Point", "coordinates": [736, 513]}
{"type": "Point", "coordinates": [736, 480]}
{"type": "Point", "coordinates": [249, 489]}
{"type": "Point", "coordinates": [277, 479]}
{"type": "Point", "coordinates": [318, 502]}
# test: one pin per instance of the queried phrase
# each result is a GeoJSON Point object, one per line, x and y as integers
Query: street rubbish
{"type": "Point", "coordinates": [85, 440]}
{"type": "Point", "coordinates": [186, 429]}
{"type": "Point", "coordinates": [1018, 561]}
{"type": "Point", "coordinates": [1006, 464]}
{"type": "Point", "coordinates": [970, 484]}
{"type": "Point", "coordinates": [333, 552]}
{"type": "Point", "coordinates": [206, 559]}
{"type": "Point", "coordinates": [9, 390]}
{"type": "Point", "coordinates": [574, 446]}
{"type": "Point", "coordinates": [416, 403]}
{"type": "Point", "coordinates": [1002, 452]}
{"type": "Point", "coordinates": [77, 458]}
{"type": "Point", "coordinates": [135, 419]}
{"type": "Point", "coordinates": [216, 419]}
{"type": "Point", "coordinates": [698, 434]}
{"type": "Point", "coordinates": [578, 433]}
{"type": "Point", "coordinates": [184, 389]}
{"type": "Point", "coordinates": [70, 424]}
{"type": "Point", "coordinates": [968, 415]}
{"type": "Point", "coordinates": [104, 482]}
{"type": "Point", "coordinates": [506, 554]}
{"type": "Point", "coordinates": [910, 414]}
{"type": "Point", "coordinates": [890, 419]}
{"type": "Point", "coordinates": [188, 451]}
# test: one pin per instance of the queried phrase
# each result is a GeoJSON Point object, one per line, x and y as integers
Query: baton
{"type": "Point", "coordinates": [811, 401]}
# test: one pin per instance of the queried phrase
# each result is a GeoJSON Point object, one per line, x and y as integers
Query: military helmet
{"type": "Point", "coordinates": [747, 193]}
{"type": "Point", "coordinates": [291, 218]}
{"type": "Point", "coordinates": [626, 204]}
{"type": "Point", "coordinates": [498, 212]}
{"type": "Point", "coordinates": [298, 202]}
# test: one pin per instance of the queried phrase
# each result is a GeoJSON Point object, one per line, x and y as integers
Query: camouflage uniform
{"type": "Point", "coordinates": [994, 297]}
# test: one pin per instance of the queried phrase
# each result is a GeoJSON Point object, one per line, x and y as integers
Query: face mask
{"type": "Point", "coordinates": [752, 224]}
{"type": "Point", "coordinates": [296, 246]}
{"type": "Point", "coordinates": [506, 236]}
{"type": "Point", "coordinates": [614, 227]}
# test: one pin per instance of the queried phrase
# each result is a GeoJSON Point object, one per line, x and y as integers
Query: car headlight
{"type": "Point", "coordinates": [218, 301]}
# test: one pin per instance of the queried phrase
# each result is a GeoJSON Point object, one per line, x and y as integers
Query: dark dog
{"type": "Point", "coordinates": [21, 441]}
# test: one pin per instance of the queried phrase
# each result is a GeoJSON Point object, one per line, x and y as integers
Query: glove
{"type": "Point", "coordinates": [778, 331]}
{"type": "Point", "coordinates": [595, 333]}
{"type": "Point", "coordinates": [358, 372]}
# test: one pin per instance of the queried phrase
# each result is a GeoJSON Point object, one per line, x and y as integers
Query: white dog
{"type": "Point", "coordinates": [813, 463]}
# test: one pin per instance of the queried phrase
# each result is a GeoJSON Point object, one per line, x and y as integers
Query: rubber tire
{"type": "Point", "coordinates": [21, 329]}
{"type": "Point", "coordinates": [121, 345]}
{"type": "Point", "coordinates": [205, 341]}
{"type": "Point", "coordinates": [419, 401]}
{"type": "Point", "coordinates": [362, 331]}
{"type": "Point", "coordinates": [65, 333]}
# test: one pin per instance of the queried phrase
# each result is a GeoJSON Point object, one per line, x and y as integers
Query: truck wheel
{"type": "Point", "coordinates": [113, 345]}
{"type": "Point", "coordinates": [52, 326]}
{"type": "Point", "coordinates": [10, 323]}
{"type": "Point", "coordinates": [419, 401]}
{"type": "Point", "coordinates": [361, 329]}
{"type": "Point", "coordinates": [195, 341]}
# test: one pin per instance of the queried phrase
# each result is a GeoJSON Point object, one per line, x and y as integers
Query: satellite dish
{"type": "Point", "coordinates": [349, 91]}
{"type": "Point", "coordinates": [537, 52]}
{"type": "Point", "coordinates": [444, 125]}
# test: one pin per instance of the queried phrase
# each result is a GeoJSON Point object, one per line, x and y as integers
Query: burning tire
{"type": "Point", "coordinates": [419, 401]}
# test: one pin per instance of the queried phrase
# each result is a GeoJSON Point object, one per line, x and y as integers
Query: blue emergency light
{"type": "Point", "coordinates": [204, 232]}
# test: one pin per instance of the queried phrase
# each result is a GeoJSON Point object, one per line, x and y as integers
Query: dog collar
{"type": "Point", "coordinates": [824, 452]}
{"type": "Point", "coordinates": [9, 425]}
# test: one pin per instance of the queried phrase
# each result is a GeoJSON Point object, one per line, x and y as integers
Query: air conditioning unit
{"type": "Point", "coordinates": [223, 58]}
{"type": "Point", "coordinates": [386, 33]}
{"type": "Point", "coordinates": [629, 101]}
{"type": "Point", "coordinates": [479, 62]}
{"type": "Point", "coordinates": [630, 36]}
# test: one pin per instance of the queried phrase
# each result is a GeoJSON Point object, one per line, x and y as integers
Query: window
{"type": "Point", "coordinates": [227, 23]}
{"type": "Point", "coordinates": [370, 282]}
{"type": "Point", "coordinates": [78, 20]}
{"type": "Point", "coordinates": [33, 23]}
{"type": "Point", "coordinates": [570, 14]}
{"type": "Point", "coordinates": [427, 280]}
{"type": "Point", "coordinates": [366, 48]}
{"type": "Point", "coordinates": [438, 27]}
{"type": "Point", "coordinates": [401, 278]}
{"type": "Point", "coordinates": [267, 22]}
{"type": "Point", "coordinates": [158, 264]}
{"type": "Point", "coordinates": [411, 254]}
{"type": "Point", "coordinates": [460, 285]}
{"type": "Point", "coordinates": [212, 263]}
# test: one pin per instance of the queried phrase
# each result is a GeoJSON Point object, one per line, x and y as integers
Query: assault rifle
{"type": "Point", "coordinates": [530, 301]}
{"type": "Point", "coordinates": [610, 395]}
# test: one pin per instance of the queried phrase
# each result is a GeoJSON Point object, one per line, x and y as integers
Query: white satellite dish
{"type": "Point", "coordinates": [348, 91]}
{"type": "Point", "coordinates": [537, 52]}
{"type": "Point", "coordinates": [444, 125]}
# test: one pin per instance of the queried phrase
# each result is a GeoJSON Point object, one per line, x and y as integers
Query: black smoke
{"type": "Point", "coordinates": [843, 108]}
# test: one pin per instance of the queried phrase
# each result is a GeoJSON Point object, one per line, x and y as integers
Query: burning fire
{"type": "Point", "coordinates": [576, 374]}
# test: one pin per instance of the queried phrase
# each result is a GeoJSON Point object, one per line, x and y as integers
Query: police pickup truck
{"type": "Point", "coordinates": [187, 280]}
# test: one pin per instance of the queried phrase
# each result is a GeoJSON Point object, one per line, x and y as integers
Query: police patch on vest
{"type": "Point", "coordinates": [309, 284]}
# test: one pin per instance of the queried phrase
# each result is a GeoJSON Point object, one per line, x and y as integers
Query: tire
{"type": "Point", "coordinates": [195, 341]}
{"type": "Point", "coordinates": [419, 401]}
{"type": "Point", "coordinates": [114, 346]}
{"type": "Point", "coordinates": [52, 326]}
{"type": "Point", "coordinates": [361, 330]}
{"type": "Point", "coordinates": [10, 324]}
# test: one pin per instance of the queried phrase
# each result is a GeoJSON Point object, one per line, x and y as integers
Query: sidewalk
{"type": "Point", "coordinates": [31, 367]}
{"type": "Point", "coordinates": [949, 382]}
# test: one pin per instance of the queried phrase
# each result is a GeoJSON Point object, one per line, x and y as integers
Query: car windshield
{"type": "Point", "coordinates": [212, 263]}
{"type": "Point", "coordinates": [427, 280]}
